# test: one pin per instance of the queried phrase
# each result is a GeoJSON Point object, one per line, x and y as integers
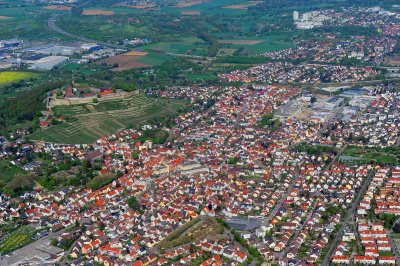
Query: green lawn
{"type": "Point", "coordinates": [8, 77]}
{"type": "Point", "coordinates": [106, 118]}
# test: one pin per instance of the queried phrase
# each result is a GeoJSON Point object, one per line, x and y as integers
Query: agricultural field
{"type": "Point", "coordinates": [17, 239]}
{"type": "Point", "coordinates": [25, 20]}
{"type": "Point", "coordinates": [133, 59]}
{"type": "Point", "coordinates": [58, 7]}
{"type": "Point", "coordinates": [211, 7]}
{"type": "Point", "coordinates": [104, 28]}
{"type": "Point", "coordinates": [183, 45]}
{"type": "Point", "coordinates": [257, 46]}
{"type": "Point", "coordinates": [243, 6]}
{"type": "Point", "coordinates": [97, 12]}
{"type": "Point", "coordinates": [8, 77]}
{"type": "Point", "coordinates": [94, 121]}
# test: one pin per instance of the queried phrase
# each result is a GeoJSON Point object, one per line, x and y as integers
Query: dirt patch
{"type": "Point", "coordinates": [97, 12]}
{"type": "Point", "coordinates": [190, 13]}
{"type": "Point", "coordinates": [4, 17]}
{"type": "Point", "coordinates": [392, 60]}
{"type": "Point", "coordinates": [144, 6]}
{"type": "Point", "coordinates": [190, 3]}
{"type": "Point", "coordinates": [124, 61]}
{"type": "Point", "coordinates": [135, 53]}
{"type": "Point", "coordinates": [240, 42]}
{"type": "Point", "coordinates": [58, 8]}
{"type": "Point", "coordinates": [243, 6]}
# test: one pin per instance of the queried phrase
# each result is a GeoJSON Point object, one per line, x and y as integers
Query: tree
{"type": "Point", "coordinates": [133, 203]}
{"type": "Point", "coordinates": [396, 227]}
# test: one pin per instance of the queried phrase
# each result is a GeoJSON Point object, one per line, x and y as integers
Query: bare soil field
{"type": "Point", "coordinates": [241, 42]}
{"type": "Point", "coordinates": [243, 6]}
{"type": "Point", "coordinates": [144, 6]}
{"type": "Point", "coordinates": [135, 53]}
{"type": "Point", "coordinates": [392, 61]}
{"type": "Point", "coordinates": [190, 3]}
{"type": "Point", "coordinates": [124, 61]}
{"type": "Point", "coordinates": [97, 12]}
{"type": "Point", "coordinates": [190, 13]}
{"type": "Point", "coordinates": [58, 8]}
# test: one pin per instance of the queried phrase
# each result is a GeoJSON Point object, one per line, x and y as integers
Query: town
{"type": "Point", "coordinates": [148, 133]}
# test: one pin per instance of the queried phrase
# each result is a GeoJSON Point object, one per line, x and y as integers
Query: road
{"type": "Point", "coordinates": [394, 248]}
{"type": "Point", "coordinates": [51, 23]}
{"type": "Point", "coordinates": [349, 215]}
{"type": "Point", "coordinates": [297, 232]}
{"type": "Point", "coordinates": [268, 219]}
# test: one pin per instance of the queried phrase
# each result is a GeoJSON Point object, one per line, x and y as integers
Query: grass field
{"type": "Point", "coordinates": [76, 68]}
{"type": "Point", "coordinates": [209, 7]}
{"type": "Point", "coordinates": [8, 77]}
{"type": "Point", "coordinates": [98, 120]}
{"type": "Point", "coordinates": [17, 239]}
{"type": "Point", "coordinates": [260, 45]}
{"type": "Point", "coordinates": [181, 46]}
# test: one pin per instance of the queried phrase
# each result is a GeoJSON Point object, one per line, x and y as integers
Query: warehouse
{"type": "Point", "coordinates": [48, 63]}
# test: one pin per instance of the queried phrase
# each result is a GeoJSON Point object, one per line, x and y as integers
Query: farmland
{"type": "Point", "coordinates": [97, 12]}
{"type": "Point", "coordinates": [57, 7]}
{"type": "Point", "coordinates": [182, 45]}
{"type": "Point", "coordinates": [96, 120]}
{"type": "Point", "coordinates": [243, 6]}
{"type": "Point", "coordinates": [25, 21]}
{"type": "Point", "coordinates": [9, 77]}
{"type": "Point", "coordinates": [133, 60]}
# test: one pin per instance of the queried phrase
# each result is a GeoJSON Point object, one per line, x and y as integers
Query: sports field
{"type": "Point", "coordinates": [97, 120]}
{"type": "Point", "coordinates": [8, 77]}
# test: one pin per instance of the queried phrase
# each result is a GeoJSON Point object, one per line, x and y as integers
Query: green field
{"type": "Point", "coordinates": [183, 45]}
{"type": "Point", "coordinates": [25, 20]}
{"type": "Point", "coordinates": [7, 171]}
{"type": "Point", "coordinates": [212, 7]}
{"type": "Point", "coordinates": [267, 44]}
{"type": "Point", "coordinates": [153, 59]}
{"type": "Point", "coordinates": [8, 77]}
{"type": "Point", "coordinates": [76, 68]}
{"type": "Point", "coordinates": [17, 239]}
{"type": "Point", "coordinates": [105, 118]}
